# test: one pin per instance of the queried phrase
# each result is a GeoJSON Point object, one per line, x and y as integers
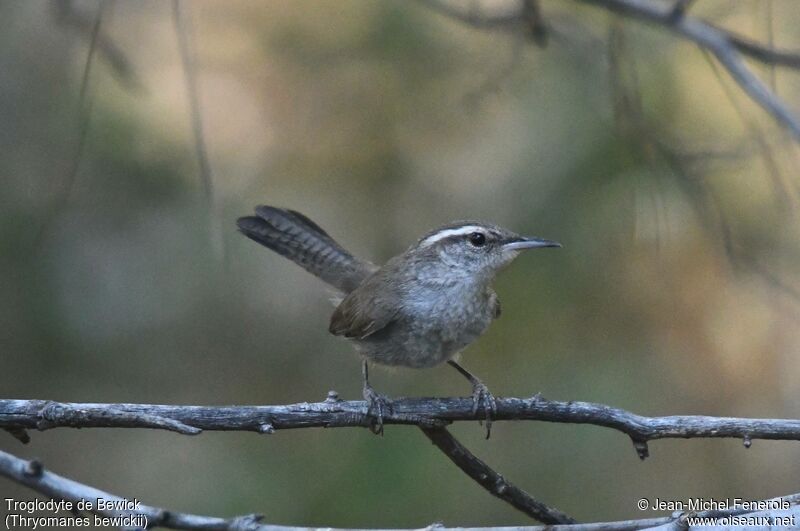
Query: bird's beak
{"type": "Point", "coordinates": [524, 242]}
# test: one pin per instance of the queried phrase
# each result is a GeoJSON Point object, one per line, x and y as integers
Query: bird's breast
{"type": "Point", "coordinates": [437, 324]}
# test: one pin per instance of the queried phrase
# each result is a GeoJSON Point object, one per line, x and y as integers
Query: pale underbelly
{"type": "Point", "coordinates": [420, 346]}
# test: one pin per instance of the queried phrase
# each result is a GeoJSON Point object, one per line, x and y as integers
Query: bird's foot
{"type": "Point", "coordinates": [482, 396]}
{"type": "Point", "coordinates": [377, 405]}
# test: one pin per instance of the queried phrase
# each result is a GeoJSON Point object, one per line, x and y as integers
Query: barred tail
{"type": "Point", "coordinates": [302, 241]}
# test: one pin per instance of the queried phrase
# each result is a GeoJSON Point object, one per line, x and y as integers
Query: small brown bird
{"type": "Point", "coordinates": [421, 308]}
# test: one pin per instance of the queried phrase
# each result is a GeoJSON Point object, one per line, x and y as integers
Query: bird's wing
{"type": "Point", "coordinates": [362, 313]}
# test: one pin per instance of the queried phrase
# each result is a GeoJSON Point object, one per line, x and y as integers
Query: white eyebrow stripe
{"type": "Point", "coordinates": [460, 231]}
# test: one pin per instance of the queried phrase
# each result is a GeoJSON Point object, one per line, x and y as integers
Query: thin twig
{"type": "Point", "coordinates": [185, 36]}
{"type": "Point", "coordinates": [764, 54]}
{"type": "Point", "coordinates": [490, 480]}
{"type": "Point", "coordinates": [84, 114]}
{"type": "Point", "coordinates": [121, 67]}
{"type": "Point", "coordinates": [185, 45]}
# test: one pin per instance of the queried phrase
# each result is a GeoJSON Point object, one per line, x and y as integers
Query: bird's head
{"type": "Point", "coordinates": [474, 247]}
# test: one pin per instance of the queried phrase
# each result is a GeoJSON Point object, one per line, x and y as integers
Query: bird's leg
{"type": "Point", "coordinates": [375, 401]}
{"type": "Point", "coordinates": [480, 394]}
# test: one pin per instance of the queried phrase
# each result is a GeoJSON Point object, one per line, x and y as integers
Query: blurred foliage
{"type": "Point", "coordinates": [676, 292]}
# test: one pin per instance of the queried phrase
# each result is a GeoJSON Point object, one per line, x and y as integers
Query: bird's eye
{"type": "Point", "coordinates": [478, 239]}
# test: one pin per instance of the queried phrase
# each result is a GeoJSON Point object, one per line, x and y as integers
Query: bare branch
{"type": "Point", "coordinates": [52, 414]}
{"type": "Point", "coordinates": [33, 475]}
{"type": "Point", "coordinates": [44, 414]}
{"type": "Point", "coordinates": [19, 415]}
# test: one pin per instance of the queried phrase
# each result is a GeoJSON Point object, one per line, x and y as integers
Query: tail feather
{"type": "Point", "coordinates": [267, 211]}
{"type": "Point", "coordinates": [305, 243]}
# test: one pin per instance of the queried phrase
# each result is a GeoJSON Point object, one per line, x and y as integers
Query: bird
{"type": "Point", "coordinates": [420, 309]}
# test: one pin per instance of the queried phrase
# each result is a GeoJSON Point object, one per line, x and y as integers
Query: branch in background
{"type": "Point", "coordinates": [726, 46]}
{"type": "Point", "coordinates": [66, 14]}
{"type": "Point", "coordinates": [472, 17]}
{"type": "Point", "coordinates": [186, 48]}
{"type": "Point", "coordinates": [529, 18]}
{"type": "Point", "coordinates": [33, 475]}
{"type": "Point", "coordinates": [764, 54]}
{"type": "Point", "coordinates": [632, 124]}
{"type": "Point", "coordinates": [697, 30]}
{"type": "Point", "coordinates": [679, 8]}
{"type": "Point", "coordinates": [532, 13]}
{"type": "Point", "coordinates": [641, 9]}
{"type": "Point", "coordinates": [783, 192]}
{"type": "Point", "coordinates": [493, 83]}
{"type": "Point", "coordinates": [44, 414]}
{"type": "Point", "coordinates": [84, 114]}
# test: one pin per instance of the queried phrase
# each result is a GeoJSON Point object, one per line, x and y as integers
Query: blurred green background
{"type": "Point", "coordinates": [676, 292]}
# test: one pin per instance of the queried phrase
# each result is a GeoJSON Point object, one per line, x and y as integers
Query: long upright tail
{"type": "Point", "coordinates": [291, 234]}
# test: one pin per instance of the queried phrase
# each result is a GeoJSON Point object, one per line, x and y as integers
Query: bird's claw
{"type": "Point", "coordinates": [481, 395]}
{"type": "Point", "coordinates": [377, 404]}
